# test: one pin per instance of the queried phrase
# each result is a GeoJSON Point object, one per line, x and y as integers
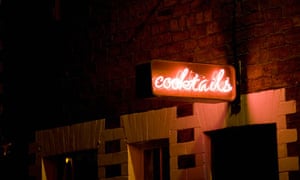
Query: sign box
{"type": "Point", "coordinates": [162, 78]}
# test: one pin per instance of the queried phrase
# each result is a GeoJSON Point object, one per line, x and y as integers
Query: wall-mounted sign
{"type": "Point", "coordinates": [189, 80]}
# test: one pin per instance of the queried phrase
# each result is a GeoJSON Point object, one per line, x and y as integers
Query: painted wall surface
{"type": "Point", "coordinates": [257, 108]}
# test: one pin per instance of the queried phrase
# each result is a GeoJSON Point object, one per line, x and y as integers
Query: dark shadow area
{"type": "Point", "coordinates": [244, 152]}
{"type": "Point", "coordinates": [36, 53]}
{"type": "Point", "coordinates": [79, 165]}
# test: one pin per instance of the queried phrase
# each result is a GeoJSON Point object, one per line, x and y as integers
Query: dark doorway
{"type": "Point", "coordinates": [156, 163]}
{"type": "Point", "coordinates": [244, 153]}
{"type": "Point", "coordinates": [155, 158]}
{"type": "Point", "coordinates": [79, 165]}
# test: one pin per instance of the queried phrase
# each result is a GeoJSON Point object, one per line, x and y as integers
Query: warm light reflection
{"type": "Point", "coordinates": [68, 160]}
{"type": "Point", "coordinates": [181, 79]}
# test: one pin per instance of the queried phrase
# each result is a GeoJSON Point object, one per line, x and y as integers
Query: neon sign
{"type": "Point", "coordinates": [193, 80]}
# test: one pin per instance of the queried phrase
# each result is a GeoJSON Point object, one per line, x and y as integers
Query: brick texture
{"type": "Point", "coordinates": [266, 44]}
{"type": "Point", "coordinates": [102, 74]}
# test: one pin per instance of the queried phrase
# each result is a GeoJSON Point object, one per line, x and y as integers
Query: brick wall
{"type": "Point", "coordinates": [263, 36]}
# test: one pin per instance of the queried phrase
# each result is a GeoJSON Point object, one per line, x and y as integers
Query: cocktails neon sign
{"type": "Point", "coordinates": [193, 80]}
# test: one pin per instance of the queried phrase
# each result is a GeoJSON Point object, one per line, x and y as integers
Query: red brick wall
{"type": "Point", "coordinates": [123, 34]}
{"type": "Point", "coordinates": [264, 36]}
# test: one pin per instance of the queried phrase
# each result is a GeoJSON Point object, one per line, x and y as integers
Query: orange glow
{"type": "Point", "coordinates": [181, 79]}
{"type": "Point", "coordinates": [68, 160]}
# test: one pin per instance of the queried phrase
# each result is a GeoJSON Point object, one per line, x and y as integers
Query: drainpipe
{"type": "Point", "coordinates": [236, 103]}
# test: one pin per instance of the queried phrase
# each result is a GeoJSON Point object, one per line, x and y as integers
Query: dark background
{"type": "Point", "coordinates": [36, 93]}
